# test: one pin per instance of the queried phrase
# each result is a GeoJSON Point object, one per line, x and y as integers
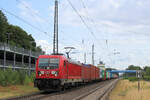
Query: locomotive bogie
{"type": "Point", "coordinates": [44, 84]}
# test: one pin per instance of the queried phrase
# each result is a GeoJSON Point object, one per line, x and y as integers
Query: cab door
{"type": "Point", "coordinates": [66, 69]}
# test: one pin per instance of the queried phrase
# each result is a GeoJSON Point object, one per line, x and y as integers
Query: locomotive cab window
{"type": "Point", "coordinates": [48, 63]}
{"type": "Point", "coordinates": [43, 62]}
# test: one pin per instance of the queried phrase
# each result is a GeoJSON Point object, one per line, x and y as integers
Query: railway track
{"type": "Point", "coordinates": [71, 94]}
{"type": "Point", "coordinates": [98, 93]}
{"type": "Point", "coordinates": [40, 95]}
{"type": "Point", "coordinates": [104, 95]}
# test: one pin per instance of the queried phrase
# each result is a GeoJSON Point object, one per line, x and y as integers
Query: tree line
{"type": "Point", "coordinates": [16, 36]}
{"type": "Point", "coordinates": [145, 72]}
{"type": "Point", "coordinates": [145, 69]}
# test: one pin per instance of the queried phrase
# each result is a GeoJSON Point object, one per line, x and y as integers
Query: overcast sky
{"type": "Point", "coordinates": [118, 26]}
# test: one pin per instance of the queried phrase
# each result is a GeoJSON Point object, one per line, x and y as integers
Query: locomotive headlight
{"type": "Point", "coordinates": [56, 73]}
{"type": "Point", "coordinates": [42, 72]}
{"type": "Point", "coordinates": [53, 72]}
{"type": "Point", "coordinates": [39, 73]}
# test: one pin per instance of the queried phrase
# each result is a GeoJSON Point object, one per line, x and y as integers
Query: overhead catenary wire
{"type": "Point", "coordinates": [33, 13]}
{"type": "Point", "coordinates": [90, 18]}
{"type": "Point", "coordinates": [86, 10]}
{"type": "Point", "coordinates": [83, 21]}
{"type": "Point", "coordinates": [24, 21]}
{"type": "Point", "coordinates": [69, 37]}
{"type": "Point", "coordinates": [36, 14]}
{"type": "Point", "coordinates": [93, 22]}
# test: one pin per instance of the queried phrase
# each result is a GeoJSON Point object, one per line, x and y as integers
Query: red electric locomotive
{"type": "Point", "coordinates": [57, 72]}
{"type": "Point", "coordinates": [54, 71]}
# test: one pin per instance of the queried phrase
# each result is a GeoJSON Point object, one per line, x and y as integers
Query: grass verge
{"type": "Point", "coordinates": [128, 90]}
{"type": "Point", "coordinates": [16, 90]}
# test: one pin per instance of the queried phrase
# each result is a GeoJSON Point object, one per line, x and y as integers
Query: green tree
{"type": "Point", "coordinates": [20, 38]}
{"type": "Point", "coordinates": [3, 27]}
{"type": "Point", "coordinates": [147, 70]}
{"type": "Point", "coordinates": [16, 35]}
{"type": "Point", "coordinates": [109, 69]}
{"type": "Point", "coordinates": [132, 67]}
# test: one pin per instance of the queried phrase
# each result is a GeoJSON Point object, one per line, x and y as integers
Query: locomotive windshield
{"type": "Point", "coordinates": [48, 63]}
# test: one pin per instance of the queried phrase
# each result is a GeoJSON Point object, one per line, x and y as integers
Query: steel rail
{"type": "Point", "coordinates": [107, 90]}
{"type": "Point", "coordinates": [40, 95]}
{"type": "Point", "coordinates": [94, 90]}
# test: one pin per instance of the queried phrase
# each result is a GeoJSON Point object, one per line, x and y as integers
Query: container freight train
{"type": "Point", "coordinates": [57, 72]}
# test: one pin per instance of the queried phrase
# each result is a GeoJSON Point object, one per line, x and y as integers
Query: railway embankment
{"type": "Point", "coordinates": [16, 90]}
{"type": "Point", "coordinates": [15, 83]}
{"type": "Point", "coordinates": [92, 91]}
{"type": "Point", "coordinates": [95, 91]}
{"type": "Point", "coordinates": [128, 90]}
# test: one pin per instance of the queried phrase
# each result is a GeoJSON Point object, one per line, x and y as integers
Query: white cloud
{"type": "Point", "coordinates": [29, 13]}
{"type": "Point", "coordinates": [47, 47]}
{"type": "Point", "coordinates": [139, 3]}
{"type": "Point", "coordinates": [124, 23]}
{"type": "Point", "coordinates": [115, 3]}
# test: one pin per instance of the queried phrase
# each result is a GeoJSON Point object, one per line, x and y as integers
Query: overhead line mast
{"type": "Point", "coordinates": [93, 54]}
{"type": "Point", "coordinates": [55, 41]}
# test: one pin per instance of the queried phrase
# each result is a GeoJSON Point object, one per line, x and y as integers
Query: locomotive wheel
{"type": "Point", "coordinates": [40, 88]}
{"type": "Point", "coordinates": [63, 88]}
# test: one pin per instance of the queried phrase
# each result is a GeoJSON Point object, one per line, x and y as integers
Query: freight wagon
{"type": "Point", "coordinates": [102, 74]}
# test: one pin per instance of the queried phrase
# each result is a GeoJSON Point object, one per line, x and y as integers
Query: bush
{"type": "Point", "coordinates": [146, 78]}
{"type": "Point", "coordinates": [32, 76]}
{"type": "Point", "coordinates": [22, 75]}
{"type": "Point", "coordinates": [125, 77]}
{"type": "Point", "coordinates": [11, 77]}
{"type": "Point", "coordinates": [132, 78]}
{"type": "Point", "coordinates": [2, 79]}
{"type": "Point", "coordinates": [27, 80]}
{"type": "Point", "coordinates": [15, 78]}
